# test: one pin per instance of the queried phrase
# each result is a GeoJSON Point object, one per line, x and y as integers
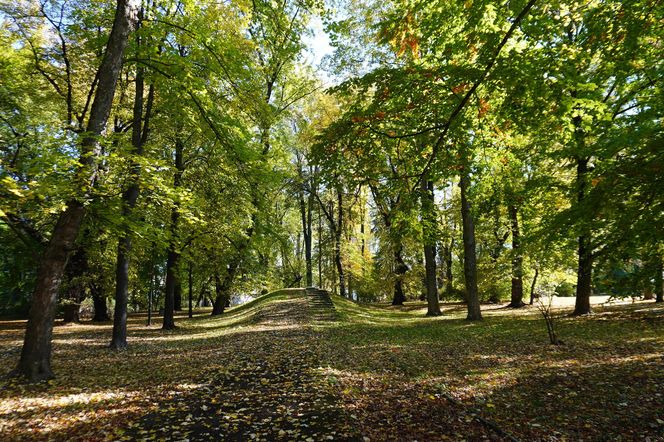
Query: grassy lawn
{"type": "Point", "coordinates": [383, 372]}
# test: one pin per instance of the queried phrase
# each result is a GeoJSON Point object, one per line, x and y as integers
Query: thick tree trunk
{"type": "Point", "coordinates": [99, 302]}
{"type": "Point", "coordinates": [517, 260]}
{"type": "Point", "coordinates": [585, 253]}
{"type": "Point", "coordinates": [70, 313]}
{"type": "Point", "coordinates": [659, 283]}
{"type": "Point", "coordinates": [429, 234]}
{"type": "Point", "coordinates": [35, 361]}
{"type": "Point", "coordinates": [469, 252]}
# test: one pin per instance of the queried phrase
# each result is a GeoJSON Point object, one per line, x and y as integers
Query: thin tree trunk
{"type": "Point", "coordinates": [429, 237]}
{"type": "Point", "coordinates": [532, 286]}
{"type": "Point", "coordinates": [517, 260]}
{"type": "Point", "coordinates": [35, 361]}
{"type": "Point", "coordinates": [337, 244]}
{"type": "Point", "coordinates": [320, 248]}
{"type": "Point", "coordinates": [585, 254]}
{"type": "Point", "coordinates": [169, 300]}
{"type": "Point", "coordinates": [469, 251]}
{"type": "Point", "coordinates": [140, 129]}
{"type": "Point", "coordinates": [173, 253]}
{"type": "Point", "coordinates": [191, 290]}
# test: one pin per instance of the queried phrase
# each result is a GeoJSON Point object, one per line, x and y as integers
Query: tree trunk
{"type": "Point", "coordinates": [119, 338]}
{"type": "Point", "coordinates": [99, 301]}
{"type": "Point", "coordinates": [35, 361]}
{"type": "Point", "coordinates": [659, 284]}
{"type": "Point", "coordinates": [306, 207]}
{"type": "Point", "coordinates": [191, 290]}
{"type": "Point", "coordinates": [517, 260]}
{"type": "Point", "coordinates": [585, 254]}
{"type": "Point", "coordinates": [400, 269]}
{"type": "Point", "coordinates": [173, 259]}
{"type": "Point", "coordinates": [219, 304]}
{"type": "Point", "coordinates": [469, 252]}
{"type": "Point", "coordinates": [532, 286]}
{"type": "Point", "coordinates": [140, 129]}
{"type": "Point", "coordinates": [169, 300]}
{"type": "Point", "coordinates": [320, 248]}
{"type": "Point", "coordinates": [429, 236]}
{"type": "Point", "coordinates": [337, 244]}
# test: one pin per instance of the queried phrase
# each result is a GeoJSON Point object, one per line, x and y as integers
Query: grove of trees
{"type": "Point", "coordinates": [167, 155]}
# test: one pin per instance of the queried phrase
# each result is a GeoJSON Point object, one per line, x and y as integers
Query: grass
{"type": "Point", "coordinates": [387, 372]}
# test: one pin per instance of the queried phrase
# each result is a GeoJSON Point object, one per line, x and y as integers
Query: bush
{"type": "Point", "coordinates": [565, 289]}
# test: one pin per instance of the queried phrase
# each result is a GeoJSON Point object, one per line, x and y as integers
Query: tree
{"type": "Point", "coordinates": [35, 361]}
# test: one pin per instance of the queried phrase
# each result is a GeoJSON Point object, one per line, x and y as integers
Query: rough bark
{"type": "Point", "coordinates": [429, 234]}
{"type": "Point", "coordinates": [35, 361]}
{"type": "Point", "coordinates": [469, 251]}
{"type": "Point", "coordinates": [517, 260]}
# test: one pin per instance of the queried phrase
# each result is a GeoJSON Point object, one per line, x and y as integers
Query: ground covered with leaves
{"type": "Point", "coordinates": [298, 366]}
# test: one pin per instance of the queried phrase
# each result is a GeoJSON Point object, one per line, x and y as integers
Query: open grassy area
{"type": "Point", "coordinates": [277, 369]}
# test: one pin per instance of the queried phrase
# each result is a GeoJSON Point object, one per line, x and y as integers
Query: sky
{"type": "Point", "coordinates": [318, 46]}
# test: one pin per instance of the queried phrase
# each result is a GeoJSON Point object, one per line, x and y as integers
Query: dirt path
{"type": "Point", "coordinates": [265, 385]}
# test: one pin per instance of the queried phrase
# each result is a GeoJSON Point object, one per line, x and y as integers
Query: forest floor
{"type": "Point", "coordinates": [296, 366]}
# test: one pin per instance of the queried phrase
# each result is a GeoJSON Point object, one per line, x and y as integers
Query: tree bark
{"type": "Point", "coordinates": [517, 260]}
{"type": "Point", "coordinates": [469, 251]}
{"type": "Point", "coordinates": [429, 237]}
{"type": "Point", "coordinates": [35, 361]}
{"type": "Point", "coordinates": [585, 254]}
